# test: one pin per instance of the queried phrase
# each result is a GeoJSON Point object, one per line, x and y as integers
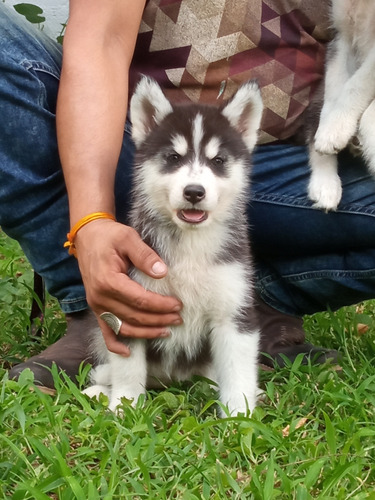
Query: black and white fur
{"type": "Point", "coordinates": [189, 203]}
{"type": "Point", "coordinates": [349, 99]}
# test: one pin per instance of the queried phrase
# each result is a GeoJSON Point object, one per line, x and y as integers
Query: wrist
{"type": "Point", "coordinates": [80, 224]}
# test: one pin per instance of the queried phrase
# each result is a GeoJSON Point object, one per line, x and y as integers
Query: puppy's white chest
{"type": "Point", "coordinates": [210, 294]}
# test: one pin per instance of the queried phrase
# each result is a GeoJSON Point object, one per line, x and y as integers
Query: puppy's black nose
{"type": "Point", "coordinates": [194, 193]}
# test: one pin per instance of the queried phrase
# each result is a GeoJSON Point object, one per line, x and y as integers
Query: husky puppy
{"type": "Point", "coordinates": [189, 204]}
{"type": "Point", "coordinates": [349, 107]}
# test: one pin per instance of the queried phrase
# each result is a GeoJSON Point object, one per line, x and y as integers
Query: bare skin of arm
{"type": "Point", "coordinates": [92, 105]}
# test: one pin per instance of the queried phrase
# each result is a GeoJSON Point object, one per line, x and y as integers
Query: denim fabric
{"type": "Point", "coordinates": [33, 199]}
{"type": "Point", "coordinates": [306, 260]}
{"type": "Point", "coordinates": [33, 203]}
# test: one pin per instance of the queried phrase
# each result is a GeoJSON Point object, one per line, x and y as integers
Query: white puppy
{"type": "Point", "coordinates": [349, 91]}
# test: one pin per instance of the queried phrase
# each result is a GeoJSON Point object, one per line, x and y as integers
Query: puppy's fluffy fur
{"type": "Point", "coordinates": [189, 204]}
{"type": "Point", "coordinates": [348, 109]}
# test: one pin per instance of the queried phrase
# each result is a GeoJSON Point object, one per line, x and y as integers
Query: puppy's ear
{"type": "Point", "coordinates": [148, 107]}
{"type": "Point", "coordinates": [244, 111]}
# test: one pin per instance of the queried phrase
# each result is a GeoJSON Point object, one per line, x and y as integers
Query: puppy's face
{"type": "Point", "coordinates": [193, 167]}
{"type": "Point", "coordinates": [192, 160]}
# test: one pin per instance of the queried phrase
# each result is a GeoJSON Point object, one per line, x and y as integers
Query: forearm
{"type": "Point", "coordinates": [92, 106]}
{"type": "Point", "coordinates": [89, 134]}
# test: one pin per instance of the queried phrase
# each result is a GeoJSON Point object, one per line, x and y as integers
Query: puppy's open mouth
{"type": "Point", "coordinates": [192, 216]}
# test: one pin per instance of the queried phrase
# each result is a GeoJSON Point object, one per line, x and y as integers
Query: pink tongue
{"type": "Point", "coordinates": [193, 215]}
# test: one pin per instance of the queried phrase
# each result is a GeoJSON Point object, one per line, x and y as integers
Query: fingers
{"type": "Point", "coordinates": [132, 297]}
{"type": "Point", "coordinates": [143, 257]}
{"type": "Point", "coordinates": [144, 314]}
{"type": "Point", "coordinates": [129, 331]}
{"type": "Point", "coordinates": [111, 340]}
{"type": "Point", "coordinates": [134, 332]}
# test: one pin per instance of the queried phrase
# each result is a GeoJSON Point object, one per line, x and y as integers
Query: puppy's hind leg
{"type": "Point", "coordinates": [235, 359]}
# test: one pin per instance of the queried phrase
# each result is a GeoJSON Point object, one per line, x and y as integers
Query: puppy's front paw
{"type": "Point", "coordinates": [117, 395]}
{"type": "Point", "coordinates": [97, 389]}
{"type": "Point", "coordinates": [355, 146]}
{"type": "Point", "coordinates": [334, 133]}
{"type": "Point", "coordinates": [241, 403]}
{"type": "Point", "coordinates": [325, 191]}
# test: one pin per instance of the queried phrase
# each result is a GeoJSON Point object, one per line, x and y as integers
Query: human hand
{"type": "Point", "coordinates": [106, 250]}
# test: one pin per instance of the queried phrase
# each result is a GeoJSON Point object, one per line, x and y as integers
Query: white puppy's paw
{"type": "Point", "coordinates": [325, 191]}
{"type": "Point", "coordinates": [241, 403]}
{"type": "Point", "coordinates": [355, 146]}
{"type": "Point", "coordinates": [334, 132]}
{"type": "Point", "coordinates": [95, 391]}
{"type": "Point", "coordinates": [130, 394]}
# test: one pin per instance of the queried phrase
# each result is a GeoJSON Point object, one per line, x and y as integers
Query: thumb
{"type": "Point", "coordinates": [144, 258]}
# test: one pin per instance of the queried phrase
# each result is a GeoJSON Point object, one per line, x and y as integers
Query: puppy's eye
{"type": "Point", "coordinates": [173, 158]}
{"type": "Point", "coordinates": [218, 161]}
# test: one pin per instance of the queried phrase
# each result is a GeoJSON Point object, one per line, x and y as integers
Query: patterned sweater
{"type": "Point", "coordinates": [202, 50]}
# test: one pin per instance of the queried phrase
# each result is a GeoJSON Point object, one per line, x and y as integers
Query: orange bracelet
{"type": "Point", "coordinates": [85, 220]}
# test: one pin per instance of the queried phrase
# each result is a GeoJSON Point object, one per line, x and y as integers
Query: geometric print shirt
{"type": "Point", "coordinates": [203, 50]}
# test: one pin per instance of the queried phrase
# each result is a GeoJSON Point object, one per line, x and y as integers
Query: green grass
{"type": "Point", "coordinates": [16, 293]}
{"type": "Point", "coordinates": [312, 436]}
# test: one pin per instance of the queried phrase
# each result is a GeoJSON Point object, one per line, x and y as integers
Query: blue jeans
{"type": "Point", "coordinates": [306, 260]}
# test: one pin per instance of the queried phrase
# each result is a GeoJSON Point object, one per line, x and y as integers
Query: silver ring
{"type": "Point", "coordinates": [112, 321]}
